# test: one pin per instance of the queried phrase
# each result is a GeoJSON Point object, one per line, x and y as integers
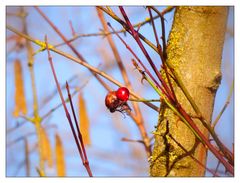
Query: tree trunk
{"type": "Point", "coordinates": [194, 49]}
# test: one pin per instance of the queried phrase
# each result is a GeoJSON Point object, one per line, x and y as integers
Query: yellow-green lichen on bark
{"type": "Point", "coordinates": [194, 50]}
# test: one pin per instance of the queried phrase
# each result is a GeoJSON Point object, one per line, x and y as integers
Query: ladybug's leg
{"type": "Point", "coordinates": [122, 112]}
{"type": "Point", "coordinates": [124, 108]}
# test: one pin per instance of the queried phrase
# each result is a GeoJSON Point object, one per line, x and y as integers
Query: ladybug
{"type": "Point", "coordinates": [117, 100]}
{"type": "Point", "coordinates": [111, 101]}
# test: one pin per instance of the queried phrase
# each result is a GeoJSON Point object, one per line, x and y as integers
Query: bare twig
{"type": "Point", "coordinates": [216, 169]}
{"type": "Point", "coordinates": [224, 107]}
{"type": "Point", "coordinates": [79, 61]}
{"type": "Point", "coordinates": [103, 34]}
{"type": "Point", "coordinates": [71, 46]}
{"type": "Point", "coordinates": [144, 100]}
{"type": "Point", "coordinates": [139, 24]}
{"type": "Point", "coordinates": [57, 106]}
{"type": "Point", "coordinates": [139, 61]}
{"type": "Point", "coordinates": [190, 154]}
{"type": "Point", "coordinates": [131, 140]}
{"type": "Point", "coordinates": [23, 137]}
{"type": "Point", "coordinates": [137, 38]}
{"type": "Point", "coordinates": [36, 119]}
{"type": "Point", "coordinates": [163, 56]}
{"type": "Point", "coordinates": [72, 29]}
{"type": "Point", "coordinates": [139, 117]}
{"type": "Point", "coordinates": [125, 26]}
{"type": "Point", "coordinates": [80, 138]}
{"type": "Point", "coordinates": [54, 92]}
{"type": "Point", "coordinates": [160, 14]}
{"type": "Point", "coordinates": [64, 104]}
{"type": "Point", "coordinates": [27, 160]}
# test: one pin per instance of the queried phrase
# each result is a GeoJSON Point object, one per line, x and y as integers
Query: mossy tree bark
{"type": "Point", "coordinates": [194, 50]}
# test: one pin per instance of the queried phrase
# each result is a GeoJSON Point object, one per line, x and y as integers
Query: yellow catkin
{"type": "Point", "coordinates": [60, 161]}
{"type": "Point", "coordinates": [20, 100]}
{"type": "Point", "coordinates": [46, 148]}
{"type": "Point", "coordinates": [84, 121]}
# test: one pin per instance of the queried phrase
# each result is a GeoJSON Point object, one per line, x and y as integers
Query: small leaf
{"type": "Point", "coordinates": [20, 100]}
{"type": "Point", "coordinates": [60, 162]}
{"type": "Point", "coordinates": [84, 120]}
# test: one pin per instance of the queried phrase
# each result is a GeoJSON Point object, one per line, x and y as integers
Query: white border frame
{"type": "Point", "coordinates": [5, 3]}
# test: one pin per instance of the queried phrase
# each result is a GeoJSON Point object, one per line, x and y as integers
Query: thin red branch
{"type": "Point", "coordinates": [160, 14]}
{"type": "Point", "coordinates": [204, 139]}
{"type": "Point", "coordinates": [136, 37]}
{"type": "Point", "coordinates": [63, 101]}
{"type": "Point", "coordinates": [162, 54]}
{"type": "Point", "coordinates": [139, 61]}
{"type": "Point", "coordinates": [80, 138]}
{"type": "Point", "coordinates": [72, 29]}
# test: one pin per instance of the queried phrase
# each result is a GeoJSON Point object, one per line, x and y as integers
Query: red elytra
{"type": "Point", "coordinates": [122, 94]}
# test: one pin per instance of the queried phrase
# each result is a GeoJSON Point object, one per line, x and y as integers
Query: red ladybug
{"type": "Point", "coordinates": [123, 94]}
{"type": "Point", "coordinates": [117, 100]}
